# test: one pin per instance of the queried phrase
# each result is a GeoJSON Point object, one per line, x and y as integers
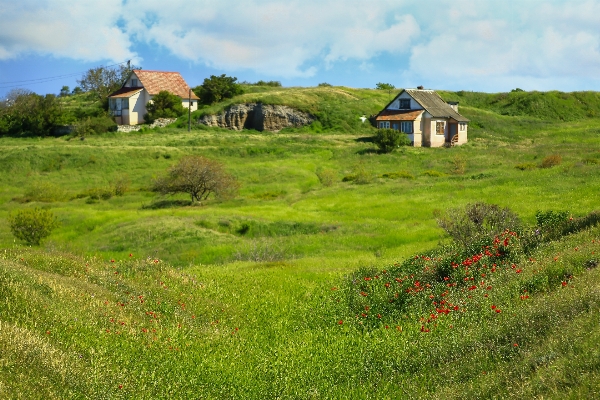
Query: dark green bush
{"type": "Point", "coordinates": [164, 105]}
{"type": "Point", "coordinates": [94, 125]}
{"type": "Point", "coordinates": [32, 225]}
{"type": "Point", "coordinates": [218, 88]}
{"type": "Point", "coordinates": [390, 139]}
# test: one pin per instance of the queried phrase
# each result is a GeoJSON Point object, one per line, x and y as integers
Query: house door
{"type": "Point", "coordinates": [452, 130]}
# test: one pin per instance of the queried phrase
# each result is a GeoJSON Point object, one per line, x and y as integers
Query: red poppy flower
{"type": "Point", "coordinates": [340, 322]}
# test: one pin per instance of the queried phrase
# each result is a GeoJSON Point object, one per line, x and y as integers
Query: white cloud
{"type": "Point", "coordinates": [80, 30]}
{"type": "Point", "coordinates": [443, 42]}
{"type": "Point", "coordinates": [539, 44]}
{"type": "Point", "coordinates": [275, 38]}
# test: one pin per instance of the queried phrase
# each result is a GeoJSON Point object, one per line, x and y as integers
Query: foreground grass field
{"type": "Point", "coordinates": [137, 296]}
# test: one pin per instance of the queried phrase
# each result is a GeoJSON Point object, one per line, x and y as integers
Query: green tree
{"type": "Point", "coordinates": [384, 86]}
{"type": "Point", "coordinates": [32, 225]}
{"type": "Point", "coordinates": [102, 81]}
{"type": "Point", "coordinates": [199, 177]}
{"type": "Point", "coordinates": [389, 139]}
{"type": "Point", "coordinates": [218, 88]}
{"type": "Point", "coordinates": [64, 91]}
{"type": "Point", "coordinates": [25, 113]}
{"type": "Point", "coordinates": [164, 105]}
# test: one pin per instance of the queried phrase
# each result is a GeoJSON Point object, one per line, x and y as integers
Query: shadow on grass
{"type": "Point", "coordinates": [365, 139]}
{"type": "Point", "coordinates": [156, 205]}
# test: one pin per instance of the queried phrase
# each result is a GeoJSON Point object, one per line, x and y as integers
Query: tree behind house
{"type": "Point", "coordinates": [218, 88]}
{"type": "Point", "coordinates": [102, 81]}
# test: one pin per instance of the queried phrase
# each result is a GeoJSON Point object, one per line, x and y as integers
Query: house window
{"type": "Point", "coordinates": [439, 127]}
{"type": "Point", "coordinates": [462, 126]}
{"type": "Point", "coordinates": [125, 104]}
{"type": "Point", "coordinates": [395, 126]}
{"type": "Point", "coordinates": [134, 83]}
{"type": "Point", "coordinates": [406, 126]}
{"type": "Point", "coordinates": [404, 104]}
{"type": "Point", "coordinates": [115, 107]}
{"type": "Point", "coordinates": [384, 124]}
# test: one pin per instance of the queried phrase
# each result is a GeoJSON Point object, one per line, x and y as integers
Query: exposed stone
{"type": "Point", "coordinates": [262, 117]}
{"type": "Point", "coordinates": [158, 122]}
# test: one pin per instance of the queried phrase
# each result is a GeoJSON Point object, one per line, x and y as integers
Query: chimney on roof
{"type": "Point", "coordinates": [454, 105]}
{"type": "Point", "coordinates": [420, 87]}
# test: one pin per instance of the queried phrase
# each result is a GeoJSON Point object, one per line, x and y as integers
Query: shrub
{"type": "Point", "coordinates": [389, 139]}
{"type": "Point", "coordinates": [268, 83]}
{"type": "Point", "coordinates": [120, 185]}
{"type": "Point", "coordinates": [359, 175]}
{"type": "Point", "coordinates": [32, 225]}
{"type": "Point", "coordinates": [326, 176]}
{"type": "Point", "coordinates": [44, 192]}
{"type": "Point", "coordinates": [94, 125]}
{"type": "Point", "coordinates": [525, 166]}
{"type": "Point", "coordinates": [399, 174]}
{"type": "Point", "coordinates": [459, 165]}
{"type": "Point", "coordinates": [324, 84]}
{"type": "Point", "coordinates": [164, 105]}
{"type": "Point", "coordinates": [199, 177]}
{"type": "Point", "coordinates": [551, 161]}
{"type": "Point", "coordinates": [477, 221]}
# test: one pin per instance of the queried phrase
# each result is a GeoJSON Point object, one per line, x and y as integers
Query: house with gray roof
{"type": "Point", "coordinates": [425, 117]}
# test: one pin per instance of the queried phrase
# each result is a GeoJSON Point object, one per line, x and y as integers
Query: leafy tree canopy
{"type": "Point", "coordinates": [384, 86]}
{"type": "Point", "coordinates": [32, 225]}
{"type": "Point", "coordinates": [25, 113]}
{"type": "Point", "coordinates": [199, 177]}
{"type": "Point", "coordinates": [102, 81]}
{"type": "Point", "coordinates": [218, 88]}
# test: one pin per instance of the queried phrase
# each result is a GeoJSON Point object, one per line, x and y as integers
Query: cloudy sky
{"type": "Point", "coordinates": [480, 45]}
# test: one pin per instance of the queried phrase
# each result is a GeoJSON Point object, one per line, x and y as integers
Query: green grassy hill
{"type": "Point", "coordinates": [138, 296]}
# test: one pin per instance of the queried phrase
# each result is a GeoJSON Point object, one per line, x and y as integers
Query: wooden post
{"type": "Point", "coordinates": [190, 110]}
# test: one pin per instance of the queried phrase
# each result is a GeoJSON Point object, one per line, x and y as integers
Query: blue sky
{"type": "Point", "coordinates": [479, 45]}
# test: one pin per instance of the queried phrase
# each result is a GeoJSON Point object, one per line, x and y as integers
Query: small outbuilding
{"type": "Point", "coordinates": [128, 104]}
{"type": "Point", "coordinates": [425, 117]}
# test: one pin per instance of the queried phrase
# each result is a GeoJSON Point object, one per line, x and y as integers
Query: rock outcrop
{"type": "Point", "coordinates": [261, 117]}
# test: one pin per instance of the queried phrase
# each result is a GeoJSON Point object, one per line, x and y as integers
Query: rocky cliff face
{"type": "Point", "coordinates": [258, 116]}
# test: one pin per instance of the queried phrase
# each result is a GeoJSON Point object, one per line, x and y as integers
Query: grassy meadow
{"type": "Point", "coordinates": [142, 296]}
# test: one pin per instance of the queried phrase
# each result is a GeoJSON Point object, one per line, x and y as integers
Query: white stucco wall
{"type": "Point", "coordinates": [184, 102]}
{"type": "Point", "coordinates": [438, 140]}
{"type": "Point", "coordinates": [462, 135]}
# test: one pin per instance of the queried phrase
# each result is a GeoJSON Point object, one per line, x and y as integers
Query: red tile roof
{"type": "Point", "coordinates": [398, 115]}
{"type": "Point", "coordinates": [155, 81]}
{"type": "Point", "coordinates": [126, 92]}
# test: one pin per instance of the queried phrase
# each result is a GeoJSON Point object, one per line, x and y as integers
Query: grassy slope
{"type": "Point", "coordinates": [288, 342]}
{"type": "Point", "coordinates": [138, 328]}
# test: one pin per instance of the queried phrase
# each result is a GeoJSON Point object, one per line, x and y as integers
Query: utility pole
{"type": "Point", "coordinates": [190, 110]}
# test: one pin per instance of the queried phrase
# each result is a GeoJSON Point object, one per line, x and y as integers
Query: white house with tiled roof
{"type": "Point", "coordinates": [425, 117]}
{"type": "Point", "coordinates": [128, 104]}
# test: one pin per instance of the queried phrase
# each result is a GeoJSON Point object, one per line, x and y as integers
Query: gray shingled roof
{"type": "Point", "coordinates": [434, 104]}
